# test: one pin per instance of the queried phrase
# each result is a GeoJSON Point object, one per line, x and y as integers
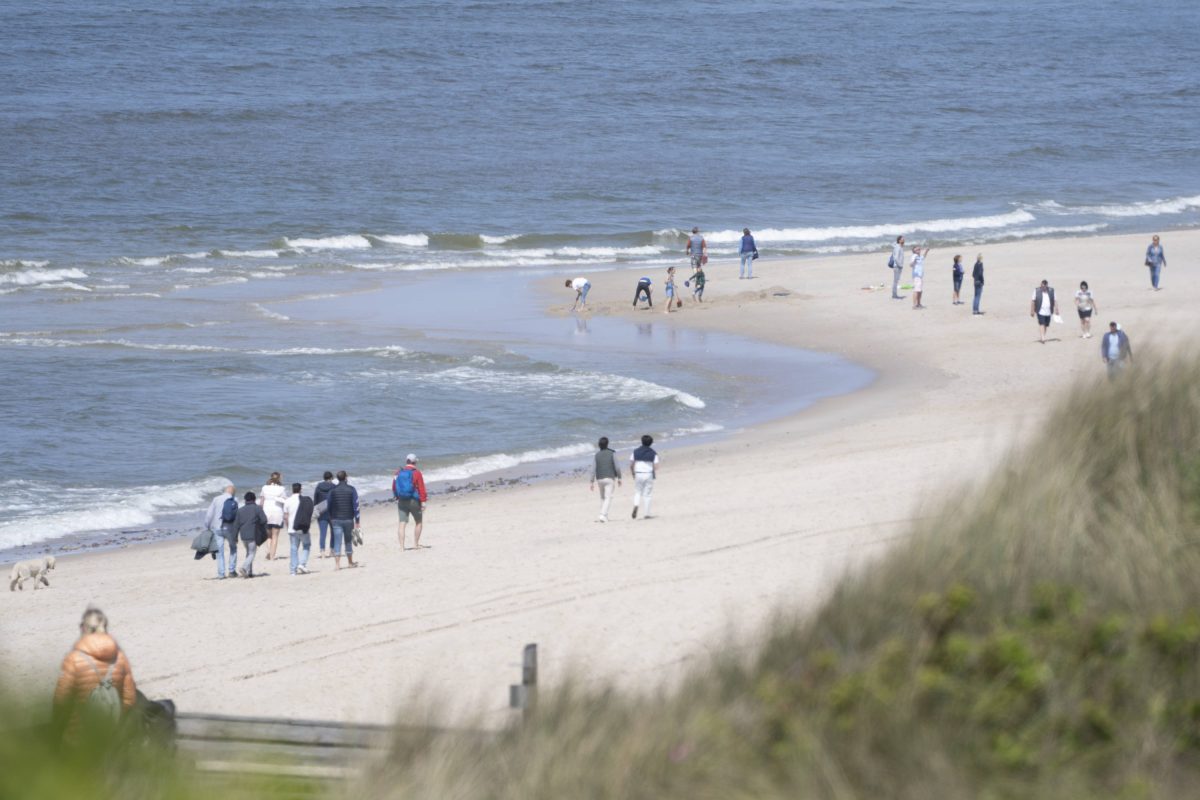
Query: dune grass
{"type": "Point", "coordinates": [1037, 638]}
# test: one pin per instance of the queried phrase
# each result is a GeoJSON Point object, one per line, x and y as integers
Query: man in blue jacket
{"type": "Point", "coordinates": [1115, 349]}
{"type": "Point", "coordinates": [342, 506]}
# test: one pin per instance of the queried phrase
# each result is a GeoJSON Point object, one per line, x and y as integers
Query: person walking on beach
{"type": "Point", "coordinates": [219, 519]}
{"type": "Point", "coordinates": [643, 463]}
{"type": "Point", "coordinates": [342, 504]}
{"type": "Point", "coordinates": [582, 286]}
{"type": "Point", "coordinates": [896, 262]}
{"type": "Point", "coordinates": [271, 500]}
{"type": "Point", "coordinates": [1115, 350]}
{"type": "Point", "coordinates": [669, 290]}
{"type": "Point", "coordinates": [605, 474]}
{"type": "Point", "coordinates": [697, 249]}
{"type": "Point", "coordinates": [95, 683]}
{"type": "Point", "coordinates": [1085, 304]}
{"type": "Point", "coordinates": [918, 275]}
{"type": "Point", "coordinates": [250, 525]}
{"type": "Point", "coordinates": [320, 492]}
{"type": "Point", "coordinates": [747, 254]}
{"type": "Point", "coordinates": [408, 487]}
{"type": "Point", "coordinates": [1155, 260]}
{"type": "Point", "coordinates": [298, 511]}
{"type": "Point", "coordinates": [697, 281]}
{"type": "Point", "coordinates": [977, 279]}
{"type": "Point", "coordinates": [1043, 306]}
{"type": "Point", "coordinates": [957, 274]}
{"type": "Point", "coordinates": [643, 290]}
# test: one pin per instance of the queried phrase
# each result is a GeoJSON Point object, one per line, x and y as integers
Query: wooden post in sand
{"type": "Point", "coordinates": [524, 694]}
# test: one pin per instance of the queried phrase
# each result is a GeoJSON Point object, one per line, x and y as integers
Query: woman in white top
{"type": "Point", "coordinates": [271, 499]}
{"type": "Point", "coordinates": [1086, 305]}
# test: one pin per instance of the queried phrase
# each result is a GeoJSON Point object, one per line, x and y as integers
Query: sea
{"type": "Point", "coordinates": [240, 236]}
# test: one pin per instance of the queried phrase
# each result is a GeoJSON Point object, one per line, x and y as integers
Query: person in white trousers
{"type": "Point", "coordinates": [644, 465]}
{"type": "Point", "coordinates": [606, 475]}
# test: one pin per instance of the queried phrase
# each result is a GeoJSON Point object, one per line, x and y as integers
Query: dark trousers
{"type": "Point", "coordinates": [978, 294]}
{"type": "Point", "coordinates": [640, 291]}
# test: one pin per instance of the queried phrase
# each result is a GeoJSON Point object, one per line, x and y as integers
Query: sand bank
{"type": "Point", "coordinates": [766, 517]}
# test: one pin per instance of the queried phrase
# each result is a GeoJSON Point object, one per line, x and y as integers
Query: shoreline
{"type": "Point", "coordinates": [801, 500]}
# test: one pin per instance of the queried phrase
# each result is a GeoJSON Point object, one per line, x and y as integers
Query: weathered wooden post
{"type": "Point", "coordinates": [524, 694]}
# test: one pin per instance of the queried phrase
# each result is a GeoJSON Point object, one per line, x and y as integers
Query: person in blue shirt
{"type": "Point", "coordinates": [643, 289]}
{"type": "Point", "coordinates": [747, 253]}
{"type": "Point", "coordinates": [958, 279]}
{"type": "Point", "coordinates": [1155, 260]}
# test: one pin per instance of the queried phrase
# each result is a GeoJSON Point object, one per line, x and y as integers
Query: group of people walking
{"type": "Point", "coordinates": [261, 517]}
{"type": "Point", "coordinates": [606, 476]}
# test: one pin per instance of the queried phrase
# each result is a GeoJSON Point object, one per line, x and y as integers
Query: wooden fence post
{"type": "Point", "coordinates": [524, 694]}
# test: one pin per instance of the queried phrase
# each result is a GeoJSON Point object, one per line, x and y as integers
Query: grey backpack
{"type": "Point", "coordinates": [104, 702]}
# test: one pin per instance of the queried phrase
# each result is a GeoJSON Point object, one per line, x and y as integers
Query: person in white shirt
{"type": "Point", "coordinates": [1043, 306]}
{"type": "Point", "coordinates": [644, 466]}
{"type": "Point", "coordinates": [298, 514]}
{"type": "Point", "coordinates": [581, 286]}
{"type": "Point", "coordinates": [918, 273]}
{"type": "Point", "coordinates": [1085, 304]}
{"type": "Point", "coordinates": [271, 499]}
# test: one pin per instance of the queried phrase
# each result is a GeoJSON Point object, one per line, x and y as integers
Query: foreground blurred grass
{"type": "Point", "coordinates": [1038, 638]}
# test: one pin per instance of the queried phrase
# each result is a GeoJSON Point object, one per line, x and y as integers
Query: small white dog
{"type": "Point", "coordinates": [24, 570]}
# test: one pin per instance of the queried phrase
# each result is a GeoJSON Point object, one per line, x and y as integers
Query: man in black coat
{"type": "Point", "coordinates": [250, 527]}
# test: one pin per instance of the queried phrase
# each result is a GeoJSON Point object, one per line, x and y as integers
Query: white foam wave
{"type": "Point", "coordinates": [269, 314]}
{"type": "Point", "coordinates": [563, 385]}
{"type": "Point", "coordinates": [43, 341]}
{"type": "Point", "coordinates": [498, 239]}
{"type": "Point", "coordinates": [263, 274]}
{"type": "Point", "coordinates": [484, 464]}
{"type": "Point", "coordinates": [1017, 217]}
{"type": "Point", "coordinates": [246, 253]}
{"type": "Point", "coordinates": [195, 270]}
{"type": "Point", "coordinates": [383, 352]}
{"type": "Point", "coordinates": [408, 240]}
{"type": "Point", "coordinates": [348, 242]}
{"type": "Point", "coordinates": [74, 287]}
{"type": "Point", "coordinates": [17, 263]}
{"type": "Point", "coordinates": [84, 509]}
{"type": "Point", "coordinates": [37, 275]}
{"type": "Point", "coordinates": [1151, 208]}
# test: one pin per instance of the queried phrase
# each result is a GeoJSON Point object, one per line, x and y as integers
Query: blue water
{"type": "Point", "coordinates": [178, 178]}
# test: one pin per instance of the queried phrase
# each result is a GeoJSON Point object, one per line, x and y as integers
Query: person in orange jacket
{"type": "Point", "coordinates": [94, 659]}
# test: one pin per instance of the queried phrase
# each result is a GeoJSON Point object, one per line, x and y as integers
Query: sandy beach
{"type": "Point", "coordinates": [762, 519]}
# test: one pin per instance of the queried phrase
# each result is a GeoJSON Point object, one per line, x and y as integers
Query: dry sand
{"type": "Point", "coordinates": [764, 518]}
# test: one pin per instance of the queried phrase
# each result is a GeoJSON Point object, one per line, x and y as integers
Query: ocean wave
{"type": "Point", "coordinates": [194, 270]}
{"type": "Point", "coordinates": [25, 521]}
{"type": "Point", "coordinates": [17, 263]}
{"type": "Point", "coordinates": [499, 239]}
{"type": "Point", "coordinates": [563, 385]}
{"type": "Point", "coordinates": [890, 230]}
{"type": "Point", "coordinates": [157, 261]}
{"type": "Point", "coordinates": [1150, 208]}
{"type": "Point", "coordinates": [269, 314]}
{"type": "Point", "coordinates": [70, 285]}
{"type": "Point", "coordinates": [37, 275]}
{"type": "Point", "coordinates": [45, 341]}
{"type": "Point", "coordinates": [352, 241]}
{"type": "Point", "coordinates": [245, 254]}
{"type": "Point", "coordinates": [387, 351]}
{"type": "Point", "coordinates": [484, 464]}
{"type": "Point", "coordinates": [408, 240]}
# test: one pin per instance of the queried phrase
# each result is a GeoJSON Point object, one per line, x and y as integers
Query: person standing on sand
{"type": "Point", "coordinates": [581, 286]}
{"type": "Point", "coordinates": [408, 487]}
{"type": "Point", "coordinates": [1155, 260]}
{"type": "Point", "coordinates": [342, 504]}
{"type": "Point", "coordinates": [643, 463]}
{"type": "Point", "coordinates": [956, 270]}
{"type": "Point", "coordinates": [298, 511]}
{"type": "Point", "coordinates": [747, 253]}
{"type": "Point", "coordinates": [319, 494]}
{"type": "Point", "coordinates": [643, 288]}
{"type": "Point", "coordinates": [1115, 349]}
{"type": "Point", "coordinates": [896, 262]}
{"type": "Point", "coordinates": [219, 519]}
{"type": "Point", "coordinates": [604, 474]}
{"type": "Point", "coordinates": [1044, 307]}
{"type": "Point", "coordinates": [918, 275]}
{"type": "Point", "coordinates": [94, 682]}
{"type": "Point", "coordinates": [977, 279]}
{"type": "Point", "coordinates": [697, 281]}
{"type": "Point", "coordinates": [697, 249]}
{"type": "Point", "coordinates": [271, 500]}
{"type": "Point", "coordinates": [1085, 304]}
{"type": "Point", "coordinates": [669, 290]}
{"type": "Point", "coordinates": [251, 527]}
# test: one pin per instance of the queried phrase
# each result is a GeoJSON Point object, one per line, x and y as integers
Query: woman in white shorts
{"type": "Point", "coordinates": [271, 499]}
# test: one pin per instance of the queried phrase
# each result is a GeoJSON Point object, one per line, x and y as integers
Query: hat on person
{"type": "Point", "coordinates": [411, 458]}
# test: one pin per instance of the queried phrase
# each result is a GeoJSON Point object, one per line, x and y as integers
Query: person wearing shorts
{"type": "Point", "coordinates": [918, 274]}
{"type": "Point", "coordinates": [697, 248]}
{"type": "Point", "coordinates": [1085, 304]}
{"type": "Point", "coordinates": [956, 271]}
{"type": "Point", "coordinates": [409, 490]}
{"type": "Point", "coordinates": [1043, 306]}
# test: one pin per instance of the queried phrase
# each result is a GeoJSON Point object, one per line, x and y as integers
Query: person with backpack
{"type": "Point", "coordinates": [250, 525]}
{"type": "Point", "coordinates": [219, 518]}
{"type": "Point", "coordinates": [320, 493]}
{"type": "Point", "coordinates": [643, 464]}
{"type": "Point", "coordinates": [298, 513]}
{"type": "Point", "coordinates": [408, 487]}
{"type": "Point", "coordinates": [95, 685]}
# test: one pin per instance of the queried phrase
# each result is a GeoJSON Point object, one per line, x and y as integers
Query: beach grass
{"type": "Point", "coordinates": [1038, 636]}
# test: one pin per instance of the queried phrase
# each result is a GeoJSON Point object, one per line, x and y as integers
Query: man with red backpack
{"type": "Point", "coordinates": [408, 487]}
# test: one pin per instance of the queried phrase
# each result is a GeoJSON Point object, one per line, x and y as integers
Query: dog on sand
{"type": "Point", "coordinates": [24, 570]}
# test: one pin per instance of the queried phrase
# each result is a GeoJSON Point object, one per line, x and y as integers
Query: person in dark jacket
{"type": "Point", "coordinates": [977, 278]}
{"type": "Point", "coordinates": [606, 473]}
{"type": "Point", "coordinates": [320, 492]}
{"type": "Point", "coordinates": [1115, 349]}
{"type": "Point", "coordinates": [251, 528]}
{"type": "Point", "coordinates": [342, 507]}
